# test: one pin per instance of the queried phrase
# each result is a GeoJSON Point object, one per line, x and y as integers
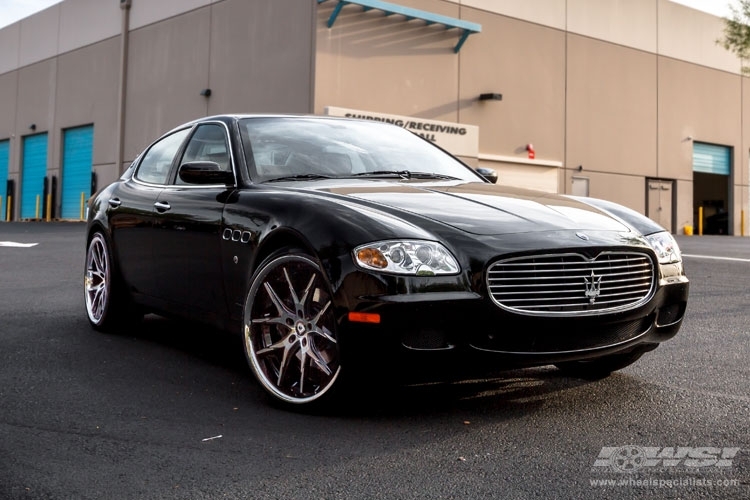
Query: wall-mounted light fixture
{"type": "Point", "coordinates": [32, 127]}
{"type": "Point", "coordinates": [206, 92]}
{"type": "Point", "coordinates": [491, 96]}
{"type": "Point", "coordinates": [580, 168]}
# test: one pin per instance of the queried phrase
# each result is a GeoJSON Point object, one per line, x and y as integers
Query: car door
{"type": "Point", "coordinates": [188, 222]}
{"type": "Point", "coordinates": [131, 211]}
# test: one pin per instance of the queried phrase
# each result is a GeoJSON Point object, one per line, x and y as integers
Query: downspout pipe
{"type": "Point", "coordinates": [122, 88]}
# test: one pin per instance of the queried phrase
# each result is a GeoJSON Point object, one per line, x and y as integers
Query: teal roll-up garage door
{"type": "Point", "coordinates": [4, 150]}
{"type": "Point", "coordinates": [33, 169]}
{"type": "Point", "coordinates": [711, 159]}
{"type": "Point", "coordinates": [78, 147]}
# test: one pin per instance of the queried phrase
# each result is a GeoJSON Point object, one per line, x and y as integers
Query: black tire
{"type": "Point", "coordinates": [289, 330]}
{"type": "Point", "coordinates": [107, 306]}
{"type": "Point", "coordinates": [601, 367]}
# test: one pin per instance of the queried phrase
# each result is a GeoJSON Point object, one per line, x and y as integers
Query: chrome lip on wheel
{"type": "Point", "coordinates": [96, 280]}
{"type": "Point", "coordinates": [289, 330]}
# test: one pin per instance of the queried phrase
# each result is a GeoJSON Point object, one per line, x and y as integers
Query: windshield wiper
{"type": "Point", "coordinates": [299, 177]}
{"type": "Point", "coordinates": [404, 174]}
{"type": "Point", "coordinates": [432, 175]}
{"type": "Point", "coordinates": [388, 174]}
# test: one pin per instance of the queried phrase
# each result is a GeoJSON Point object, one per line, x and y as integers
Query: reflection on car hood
{"type": "Point", "coordinates": [479, 208]}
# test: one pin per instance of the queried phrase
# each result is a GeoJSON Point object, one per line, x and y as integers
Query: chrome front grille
{"type": "Point", "coordinates": [572, 284]}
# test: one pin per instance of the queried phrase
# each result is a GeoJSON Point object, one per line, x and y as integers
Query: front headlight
{"type": "Point", "coordinates": [665, 247]}
{"type": "Point", "coordinates": [415, 257]}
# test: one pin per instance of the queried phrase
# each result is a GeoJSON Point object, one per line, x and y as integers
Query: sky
{"type": "Point", "coordinates": [14, 10]}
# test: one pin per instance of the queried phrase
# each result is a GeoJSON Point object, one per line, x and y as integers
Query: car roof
{"type": "Point", "coordinates": [231, 117]}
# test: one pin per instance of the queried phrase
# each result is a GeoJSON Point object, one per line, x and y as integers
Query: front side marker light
{"type": "Point", "coordinates": [361, 317]}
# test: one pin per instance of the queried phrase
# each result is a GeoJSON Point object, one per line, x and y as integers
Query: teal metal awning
{"type": "Point", "coordinates": [466, 28]}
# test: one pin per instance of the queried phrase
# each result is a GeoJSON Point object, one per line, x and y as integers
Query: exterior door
{"type": "Point", "coordinates": [77, 162]}
{"type": "Point", "coordinates": [660, 202]}
{"type": "Point", "coordinates": [131, 213]}
{"type": "Point", "coordinates": [33, 170]}
{"type": "Point", "coordinates": [188, 229]}
{"type": "Point", "coordinates": [579, 186]}
{"type": "Point", "coordinates": [4, 149]}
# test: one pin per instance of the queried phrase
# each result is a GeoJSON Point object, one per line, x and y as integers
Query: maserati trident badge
{"type": "Point", "coordinates": [593, 287]}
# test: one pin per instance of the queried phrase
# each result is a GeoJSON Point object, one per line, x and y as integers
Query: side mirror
{"type": "Point", "coordinates": [488, 174]}
{"type": "Point", "coordinates": [204, 172]}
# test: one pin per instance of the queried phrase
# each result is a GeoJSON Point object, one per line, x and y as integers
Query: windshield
{"type": "Point", "coordinates": [289, 148]}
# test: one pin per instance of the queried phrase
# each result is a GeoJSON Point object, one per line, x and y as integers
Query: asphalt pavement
{"type": "Point", "coordinates": [170, 411]}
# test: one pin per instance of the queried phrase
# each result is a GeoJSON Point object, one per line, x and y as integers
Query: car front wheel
{"type": "Point", "coordinates": [289, 329]}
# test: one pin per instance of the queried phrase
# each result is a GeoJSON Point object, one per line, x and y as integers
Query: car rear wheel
{"type": "Point", "coordinates": [106, 306]}
{"type": "Point", "coordinates": [601, 367]}
{"type": "Point", "coordinates": [289, 329]}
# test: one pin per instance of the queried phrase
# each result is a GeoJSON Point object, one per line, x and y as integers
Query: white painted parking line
{"type": "Point", "coordinates": [15, 244]}
{"type": "Point", "coordinates": [734, 259]}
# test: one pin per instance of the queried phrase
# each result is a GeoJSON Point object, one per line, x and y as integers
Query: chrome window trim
{"type": "Point", "coordinates": [182, 150]}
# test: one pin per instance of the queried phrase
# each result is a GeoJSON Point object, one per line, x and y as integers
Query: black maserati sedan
{"type": "Point", "coordinates": [329, 244]}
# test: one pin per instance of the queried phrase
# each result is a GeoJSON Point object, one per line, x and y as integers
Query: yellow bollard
{"type": "Point", "coordinates": [700, 221]}
{"type": "Point", "coordinates": [7, 210]}
{"type": "Point", "coordinates": [36, 215]}
{"type": "Point", "coordinates": [83, 196]}
{"type": "Point", "coordinates": [48, 215]}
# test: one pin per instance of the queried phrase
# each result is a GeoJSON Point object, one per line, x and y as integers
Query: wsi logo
{"type": "Point", "coordinates": [633, 458]}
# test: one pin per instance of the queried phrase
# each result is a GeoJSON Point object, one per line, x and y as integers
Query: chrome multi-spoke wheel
{"type": "Point", "coordinates": [97, 280]}
{"type": "Point", "coordinates": [289, 329]}
{"type": "Point", "coordinates": [108, 305]}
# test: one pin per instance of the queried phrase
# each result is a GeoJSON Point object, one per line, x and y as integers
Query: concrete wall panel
{"type": "Point", "coordinates": [84, 22]}
{"type": "Point", "coordinates": [375, 63]}
{"type": "Point", "coordinates": [87, 93]}
{"type": "Point", "coordinates": [149, 12]}
{"type": "Point", "coordinates": [626, 22]}
{"type": "Point", "coordinates": [168, 67]}
{"type": "Point", "coordinates": [525, 63]}
{"type": "Point", "coordinates": [690, 35]}
{"type": "Point", "coordinates": [628, 190]}
{"type": "Point", "coordinates": [36, 97]}
{"type": "Point", "coordinates": [545, 12]}
{"type": "Point", "coordinates": [9, 88]}
{"type": "Point", "coordinates": [695, 104]}
{"type": "Point", "coordinates": [261, 57]}
{"type": "Point", "coordinates": [611, 108]}
{"type": "Point", "coordinates": [10, 41]}
{"type": "Point", "coordinates": [39, 36]}
{"type": "Point", "coordinates": [743, 170]}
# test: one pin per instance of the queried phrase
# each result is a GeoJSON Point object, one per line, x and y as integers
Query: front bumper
{"type": "Point", "coordinates": [421, 324]}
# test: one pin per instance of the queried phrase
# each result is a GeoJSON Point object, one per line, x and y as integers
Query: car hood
{"type": "Point", "coordinates": [478, 208]}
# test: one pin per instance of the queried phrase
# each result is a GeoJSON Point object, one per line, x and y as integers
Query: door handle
{"type": "Point", "coordinates": [114, 202]}
{"type": "Point", "coordinates": [162, 206]}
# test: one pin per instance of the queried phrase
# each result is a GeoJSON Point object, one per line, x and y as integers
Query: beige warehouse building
{"type": "Point", "coordinates": [627, 100]}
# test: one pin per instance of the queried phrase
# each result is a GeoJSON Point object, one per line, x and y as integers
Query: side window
{"type": "Point", "coordinates": [154, 167]}
{"type": "Point", "coordinates": [208, 143]}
